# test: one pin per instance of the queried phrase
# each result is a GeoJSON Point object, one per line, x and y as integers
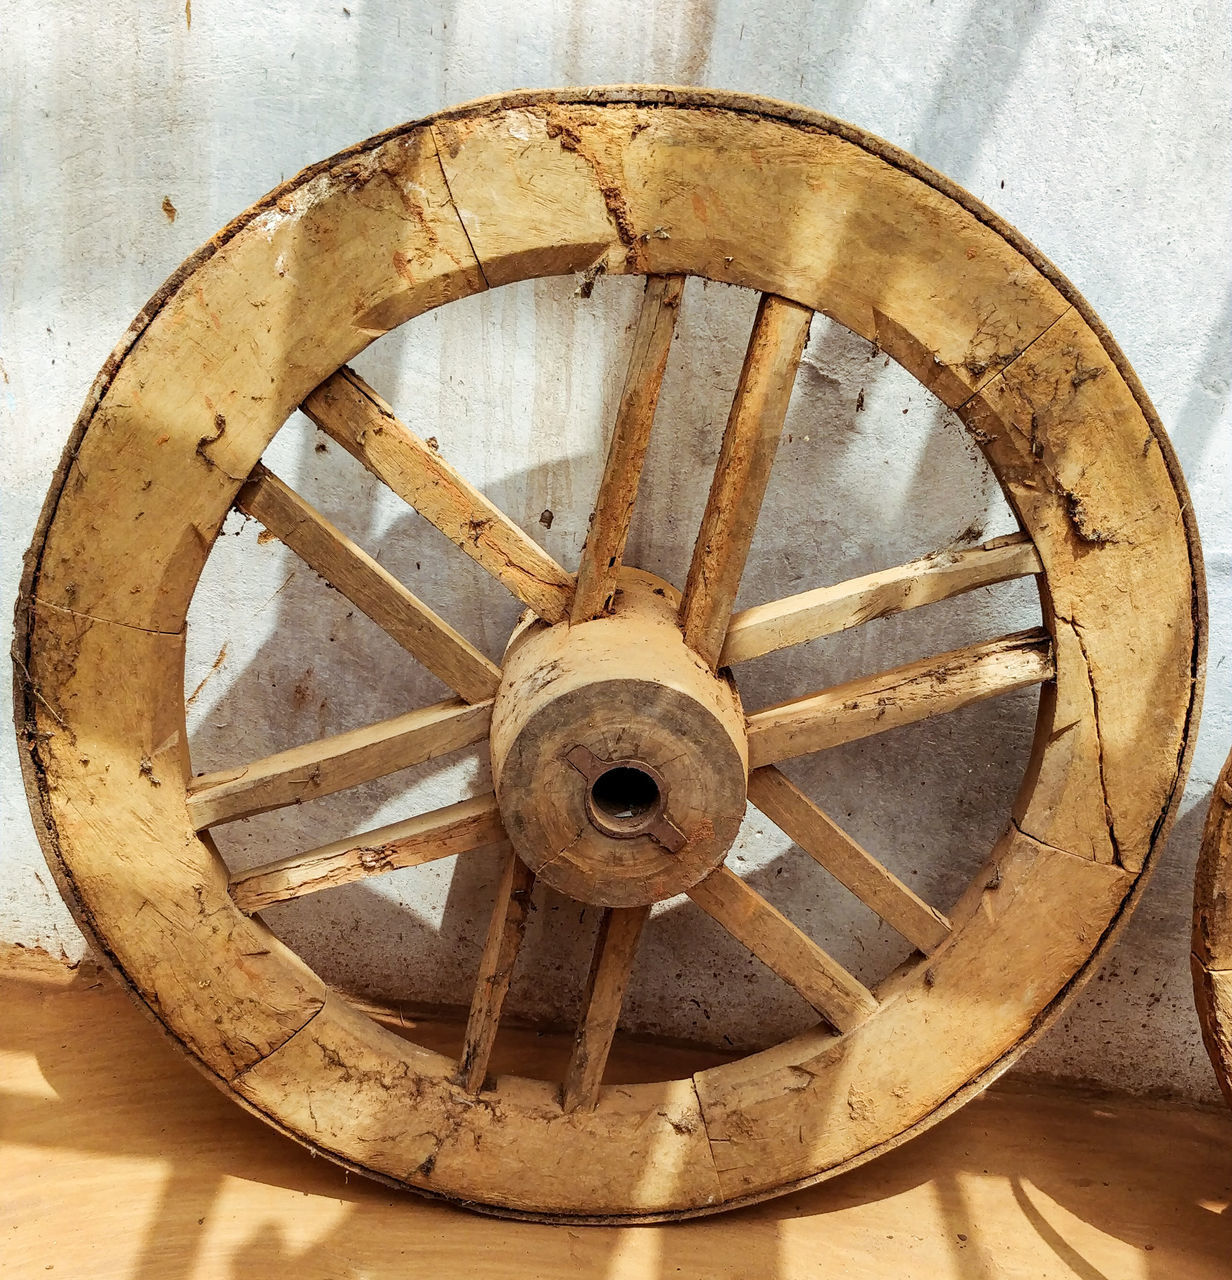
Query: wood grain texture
{"type": "Point", "coordinates": [1065, 428]}
{"type": "Point", "coordinates": [824, 611]}
{"type": "Point", "coordinates": [354, 416]}
{"type": "Point", "coordinates": [151, 894]}
{"type": "Point", "coordinates": [443, 833]}
{"type": "Point", "coordinates": [776, 200]}
{"type": "Point", "coordinates": [270, 307]}
{"type": "Point", "coordinates": [332, 764]}
{"type": "Point", "coordinates": [620, 930]}
{"type": "Point", "coordinates": [390, 1106]}
{"type": "Point", "coordinates": [658, 703]}
{"type": "Point", "coordinates": [873, 704]}
{"type": "Point", "coordinates": [369, 586]}
{"type": "Point", "coordinates": [1067, 799]}
{"type": "Point", "coordinates": [609, 529]}
{"type": "Point", "coordinates": [785, 949]}
{"type": "Point", "coordinates": [825, 841]}
{"type": "Point", "coordinates": [741, 473]}
{"type": "Point", "coordinates": [506, 926]}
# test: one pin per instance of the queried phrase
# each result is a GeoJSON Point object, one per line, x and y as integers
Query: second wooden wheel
{"type": "Point", "coordinates": [622, 755]}
{"type": "Point", "coordinates": [1212, 936]}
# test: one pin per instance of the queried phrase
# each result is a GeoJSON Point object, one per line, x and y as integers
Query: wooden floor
{"type": "Point", "coordinates": [118, 1160]}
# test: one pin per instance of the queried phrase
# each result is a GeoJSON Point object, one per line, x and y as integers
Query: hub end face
{"type": "Point", "coordinates": [620, 759]}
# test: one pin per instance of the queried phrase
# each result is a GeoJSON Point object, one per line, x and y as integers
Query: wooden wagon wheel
{"type": "Point", "coordinates": [1212, 936]}
{"type": "Point", "coordinates": [816, 216]}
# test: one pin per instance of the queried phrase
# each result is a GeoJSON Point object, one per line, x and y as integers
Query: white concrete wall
{"type": "Point", "coordinates": [1099, 130]}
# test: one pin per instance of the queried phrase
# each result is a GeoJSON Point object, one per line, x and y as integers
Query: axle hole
{"type": "Point", "coordinates": [625, 797]}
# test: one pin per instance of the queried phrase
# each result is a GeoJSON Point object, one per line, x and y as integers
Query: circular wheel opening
{"type": "Point", "coordinates": [625, 801]}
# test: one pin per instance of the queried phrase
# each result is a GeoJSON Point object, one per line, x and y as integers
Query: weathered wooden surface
{"type": "Point", "coordinates": [794, 206]}
{"type": "Point", "coordinates": [315, 271]}
{"type": "Point", "coordinates": [771, 1115]}
{"type": "Point", "coordinates": [369, 586]}
{"type": "Point", "coordinates": [620, 930]}
{"type": "Point", "coordinates": [358, 419]}
{"type": "Point", "coordinates": [826, 610]}
{"type": "Point", "coordinates": [820, 837]}
{"type": "Point", "coordinates": [658, 702]}
{"type": "Point", "coordinates": [391, 1106]}
{"type": "Point", "coordinates": [1064, 430]}
{"type": "Point", "coordinates": [443, 833]}
{"type": "Point", "coordinates": [875, 704]}
{"type": "Point", "coordinates": [814, 214]}
{"type": "Point", "coordinates": [506, 926]}
{"type": "Point", "coordinates": [332, 764]}
{"type": "Point", "coordinates": [743, 470]}
{"type": "Point", "coordinates": [1212, 931]}
{"type": "Point", "coordinates": [788, 951]}
{"type": "Point", "coordinates": [151, 892]}
{"type": "Point", "coordinates": [605, 543]}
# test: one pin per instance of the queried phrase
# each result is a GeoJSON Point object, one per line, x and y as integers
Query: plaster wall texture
{"type": "Point", "coordinates": [1101, 131]}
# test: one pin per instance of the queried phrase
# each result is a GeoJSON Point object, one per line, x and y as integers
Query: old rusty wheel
{"type": "Point", "coordinates": [622, 755]}
{"type": "Point", "coordinates": [1212, 937]}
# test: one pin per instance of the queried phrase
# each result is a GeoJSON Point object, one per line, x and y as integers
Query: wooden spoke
{"type": "Point", "coordinates": [460, 828]}
{"type": "Point", "coordinates": [368, 586]}
{"type": "Point", "coordinates": [876, 886]}
{"type": "Point", "coordinates": [609, 528]}
{"type": "Point", "coordinates": [822, 612]}
{"type": "Point", "coordinates": [749, 444]}
{"type": "Point", "coordinates": [500, 952]}
{"type": "Point", "coordinates": [778, 944]}
{"type": "Point", "coordinates": [873, 704]}
{"type": "Point", "coordinates": [332, 764]}
{"type": "Point", "coordinates": [620, 930]}
{"type": "Point", "coordinates": [350, 412]}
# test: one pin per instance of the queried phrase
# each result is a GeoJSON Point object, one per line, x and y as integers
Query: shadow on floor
{"type": "Point", "coordinates": [1026, 1181]}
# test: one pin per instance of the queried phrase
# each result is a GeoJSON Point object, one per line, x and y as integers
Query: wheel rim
{"type": "Point", "coordinates": [1212, 935]}
{"type": "Point", "coordinates": [173, 436]}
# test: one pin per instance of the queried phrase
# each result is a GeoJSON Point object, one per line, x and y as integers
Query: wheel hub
{"type": "Point", "coordinates": [620, 759]}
